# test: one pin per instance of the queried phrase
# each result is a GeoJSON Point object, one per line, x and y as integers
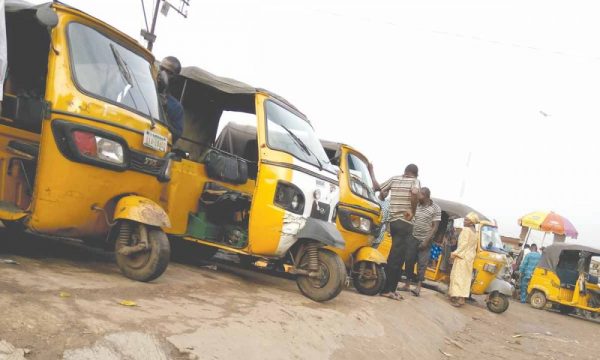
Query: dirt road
{"type": "Point", "coordinates": [63, 302]}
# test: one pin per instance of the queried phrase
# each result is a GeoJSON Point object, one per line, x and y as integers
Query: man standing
{"type": "Point", "coordinates": [425, 224]}
{"type": "Point", "coordinates": [169, 68]}
{"type": "Point", "coordinates": [526, 269]}
{"type": "Point", "coordinates": [403, 192]}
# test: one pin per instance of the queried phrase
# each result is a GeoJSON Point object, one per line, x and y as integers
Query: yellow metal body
{"type": "Point", "coordinates": [358, 245]}
{"type": "Point", "coordinates": [141, 210]}
{"type": "Point", "coordinates": [367, 253]}
{"type": "Point", "coordinates": [66, 194]}
{"type": "Point", "coordinates": [267, 221]}
{"type": "Point", "coordinates": [548, 282]}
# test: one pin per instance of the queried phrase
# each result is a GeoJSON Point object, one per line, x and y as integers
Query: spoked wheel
{"type": "Point", "coordinates": [327, 274]}
{"type": "Point", "coordinates": [142, 252]}
{"type": "Point", "coordinates": [368, 278]}
{"type": "Point", "coordinates": [538, 300]}
{"type": "Point", "coordinates": [497, 303]}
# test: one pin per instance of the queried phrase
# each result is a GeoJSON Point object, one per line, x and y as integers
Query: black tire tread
{"type": "Point", "coordinates": [337, 281]}
{"type": "Point", "coordinates": [379, 284]}
{"type": "Point", "coordinates": [160, 254]}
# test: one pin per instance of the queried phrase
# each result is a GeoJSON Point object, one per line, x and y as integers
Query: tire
{"type": "Point", "coordinates": [370, 287]}
{"type": "Point", "coordinates": [497, 303]}
{"type": "Point", "coordinates": [566, 309]}
{"type": "Point", "coordinates": [330, 284]}
{"type": "Point", "coordinates": [538, 300]}
{"type": "Point", "coordinates": [192, 252]}
{"type": "Point", "coordinates": [147, 265]}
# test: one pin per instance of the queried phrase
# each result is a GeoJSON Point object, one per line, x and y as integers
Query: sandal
{"type": "Point", "coordinates": [393, 296]}
{"type": "Point", "coordinates": [416, 293]}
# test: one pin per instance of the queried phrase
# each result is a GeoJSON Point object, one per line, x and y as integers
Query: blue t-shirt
{"type": "Point", "coordinates": [175, 116]}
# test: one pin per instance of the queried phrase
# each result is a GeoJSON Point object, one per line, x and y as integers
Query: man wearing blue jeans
{"type": "Point", "coordinates": [526, 269]}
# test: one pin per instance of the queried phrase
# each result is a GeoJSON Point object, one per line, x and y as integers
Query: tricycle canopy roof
{"type": "Point", "coordinates": [457, 210]}
{"type": "Point", "coordinates": [227, 86]}
{"type": "Point", "coordinates": [551, 254]}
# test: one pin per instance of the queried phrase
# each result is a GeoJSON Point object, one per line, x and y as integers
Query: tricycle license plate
{"type": "Point", "coordinates": [155, 141]}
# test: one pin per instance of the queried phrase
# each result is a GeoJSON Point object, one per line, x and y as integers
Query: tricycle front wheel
{"type": "Point", "coordinates": [330, 280]}
{"type": "Point", "coordinates": [497, 303]}
{"type": "Point", "coordinates": [142, 252]}
{"type": "Point", "coordinates": [368, 278]}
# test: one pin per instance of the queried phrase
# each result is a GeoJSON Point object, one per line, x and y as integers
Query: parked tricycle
{"type": "Point", "coordinates": [562, 279]}
{"type": "Point", "coordinates": [273, 200]}
{"type": "Point", "coordinates": [83, 145]}
{"type": "Point", "coordinates": [490, 259]}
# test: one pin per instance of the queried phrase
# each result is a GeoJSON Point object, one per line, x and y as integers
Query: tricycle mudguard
{"type": "Point", "coordinates": [370, 254]}
{"type": "Point", "coordinates": [501, 286]}
{"type": "Point", "coordinates": [141, 210]}
{"type": "Point", "coordinates": [322, 231]}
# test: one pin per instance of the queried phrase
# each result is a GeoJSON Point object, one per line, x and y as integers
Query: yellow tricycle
{"type": "Point", "coordinates": [358, 219]}
{"type": "Point", "coordinates": [562, 279]}
{"type": "Point", "coordinates": [271, 197]}
{"type": "Point", "coordinates": [83, 145]}
{"type": "Point", "coordinates": [488, 264]}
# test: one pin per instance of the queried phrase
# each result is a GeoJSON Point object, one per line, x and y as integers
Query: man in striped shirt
{"type": "Point", "coordinates": [403, 192]}
{"type": "Point", "coordinates": [425, 225]}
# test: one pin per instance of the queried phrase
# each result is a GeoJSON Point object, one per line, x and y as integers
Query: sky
{"type": "Point", "coordinates": [495, 101]}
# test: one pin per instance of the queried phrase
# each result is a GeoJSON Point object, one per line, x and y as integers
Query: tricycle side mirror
{"type": "Point", "coordinates": [46, 16]}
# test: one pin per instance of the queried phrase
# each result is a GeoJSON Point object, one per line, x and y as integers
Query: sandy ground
{"type": "Point", "coordinates": [63, 302]}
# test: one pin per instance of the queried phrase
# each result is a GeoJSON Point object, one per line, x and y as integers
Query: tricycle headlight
{"type": "Point", "coordinates": [97, 147]}
{"type": "Point", "coordinates": [109, 150]}
{"type": "Point", "coordinates": [289, 197]}
{"type": "Point", "coordinates": [360, 223]}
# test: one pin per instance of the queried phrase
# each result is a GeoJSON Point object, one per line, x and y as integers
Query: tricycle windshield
{"type": "Point", "coordinates": [360, 178]}
{"type": "Point", "coordinates": [294, 135]}
{"type": "Point", "coordinates": [490, 239]}
{"type": "Point", "coordinates": [109, 71]}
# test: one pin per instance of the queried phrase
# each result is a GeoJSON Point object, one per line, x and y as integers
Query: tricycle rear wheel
{"type": "Point", "coordinates": [368, 278]}
{"type": "Point", "coordinates": [331, 279]}
{"type": "Point", "coordinates": [497, 302]}
{"type": "Point", "coordinates": [145, 265]}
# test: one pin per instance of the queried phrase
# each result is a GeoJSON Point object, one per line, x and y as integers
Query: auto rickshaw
{"type": "Point", "coordinates": [83, 145]}
{"type": "Point", "coordinates": [273, 200]}
{"type": "Point", "coordinates": [488, 264]}
{"type": "Point", "coordinates": [358, 219]}
{"type": "Point", "coordinates": [562, 278]}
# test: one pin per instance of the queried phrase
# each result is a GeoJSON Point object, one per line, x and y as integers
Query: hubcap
{"type": "Point", "coordinates": [322, 278]}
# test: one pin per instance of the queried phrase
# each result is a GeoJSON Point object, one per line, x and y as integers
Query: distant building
{"type": "Point", "coordinates": [510, 243]}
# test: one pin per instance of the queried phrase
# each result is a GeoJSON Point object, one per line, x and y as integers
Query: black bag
{"type": "Point", "coordinates": [225, 167]}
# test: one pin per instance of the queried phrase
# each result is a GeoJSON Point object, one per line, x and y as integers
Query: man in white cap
{"type": "Point", "coordinates": [464, 255]}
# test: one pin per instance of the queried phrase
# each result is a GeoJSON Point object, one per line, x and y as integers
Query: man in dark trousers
{"type": "Point", "coordinates": [169, 68]}
{"type": "Point", "coordinates": [425, 226]}
{"type": "Point", "coordinates": [403, 190]}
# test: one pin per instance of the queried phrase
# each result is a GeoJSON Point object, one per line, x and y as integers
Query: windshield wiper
{"type": "Point", "coordinates": [130, 79]}
{"type": "Point", "coordinates": [302, 145]}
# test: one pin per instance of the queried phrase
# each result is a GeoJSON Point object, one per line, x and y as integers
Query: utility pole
{"type": "Point", "coordinates": [148, 34]}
